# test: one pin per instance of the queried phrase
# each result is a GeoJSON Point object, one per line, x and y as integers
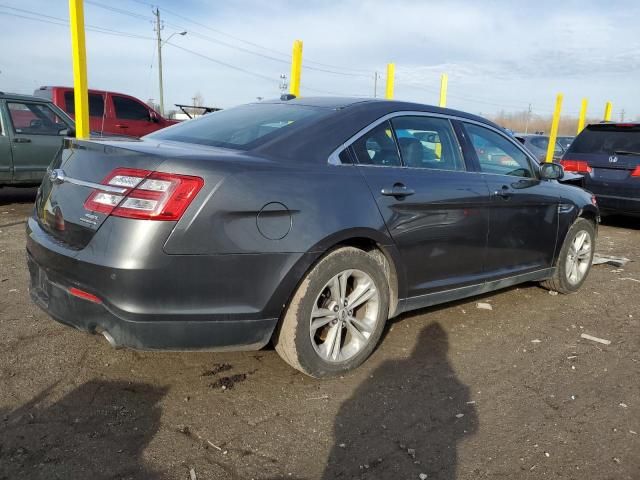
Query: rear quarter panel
{"type": "Point", "coordinates": [266, 207]}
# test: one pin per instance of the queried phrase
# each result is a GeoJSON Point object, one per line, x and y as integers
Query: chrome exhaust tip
{"type": "Point", "coordinates": [110, 339]}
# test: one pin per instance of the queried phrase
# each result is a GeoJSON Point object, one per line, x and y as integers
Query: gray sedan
{"type": "Point", "coordinates": [538, 144]}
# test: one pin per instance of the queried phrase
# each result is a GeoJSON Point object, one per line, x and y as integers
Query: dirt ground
{"type": "Point", "coordinates": [452, 392]}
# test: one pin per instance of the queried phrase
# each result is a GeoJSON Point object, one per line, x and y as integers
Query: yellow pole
{"type": "Point", "coordinates": [607, 111]}
{"type": "Point", "coordinates": [444, 79]}
{"type": "Point", "coordinates": [79, 55]}
{"type": "Point", "coordinates": [391, 79]}
{"type": "Point", "coordinates": [553, 134]}
{"type": "Point", "coordinates": [296, 68]}
{"type": "Point", "coordinates": [583, 114]}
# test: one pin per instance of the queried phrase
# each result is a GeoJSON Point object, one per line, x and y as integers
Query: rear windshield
{"type": "Point", "coordinates": [607, 139]}
{"type": "Point", "coordinates": [241, 127]}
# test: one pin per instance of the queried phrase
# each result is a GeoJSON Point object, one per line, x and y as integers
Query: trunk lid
{"type": "Point", "coordinates": [60, 206]}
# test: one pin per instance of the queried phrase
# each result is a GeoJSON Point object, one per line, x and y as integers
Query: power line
{"type": "Point", "coordinates": [225, 64]}
{"type": "Point", "coordinates": [333, 69]}
{"type": "Point", "coordinates": [63, 22]}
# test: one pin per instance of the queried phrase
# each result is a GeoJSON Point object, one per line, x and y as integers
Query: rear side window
{"type": "Point", "coordinates": [128, 109]}
{"type": "Point", "coordinates": [427, 142]}
{"type": "Point", "coordinates": [96, 104]}
{"type": "Point", "coordinates": [240, 127]}
{"type": "Point", "coordinates": [607, 139]}
{"type": "Point", "coordinates": [377, 147]}
{"type": "Point", "coordinates": [496, 154]}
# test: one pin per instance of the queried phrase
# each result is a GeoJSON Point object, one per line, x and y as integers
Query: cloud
{"type": "Point", "coordinates": [497, 53]}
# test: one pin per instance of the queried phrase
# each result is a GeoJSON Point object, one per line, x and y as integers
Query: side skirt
{"type": "Point", "coordinates": [445, 296]}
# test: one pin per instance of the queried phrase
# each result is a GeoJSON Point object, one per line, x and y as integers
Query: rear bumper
{"type": "Point", "coordinates": [616, 197]}
{"type": "Point", "coordinates": [618, 204]}
{"type": "Point", "coordinates": [169, 302]}
{"type": "Point", "coordinates": [147, 334]}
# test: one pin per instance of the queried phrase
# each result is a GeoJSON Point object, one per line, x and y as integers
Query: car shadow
{"type": "Point", "coordinates": [406, 419]}
{"type": "Point", "coordinates": [9, 195]}
{"type": "Point", "coordinates": [98, 430]}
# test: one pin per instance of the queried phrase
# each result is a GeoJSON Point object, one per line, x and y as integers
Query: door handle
{"type": "Point", "coordinates": [120, 125]}
{"type": "Point", "coordinates": [21, 140]}
{"type": "Point", "coordinates": [504, 192]}
{"type": "Point", "coordinates": [398, 190]}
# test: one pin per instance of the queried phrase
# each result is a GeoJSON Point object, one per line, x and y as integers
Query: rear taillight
{"type": "Point", "coordinates": [577, 166]}
{"type": "Point", "coordinates": [636, 172]}
{"type": "Point", "coordinates": [148, 195]}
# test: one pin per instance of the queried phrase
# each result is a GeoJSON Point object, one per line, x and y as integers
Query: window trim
{"type": "Point", "coordinates": [470, 166]}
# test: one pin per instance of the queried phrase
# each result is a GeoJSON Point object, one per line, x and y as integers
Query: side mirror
{"type": "Point", "coordinates": [67, 132]}
{"type": "Point", "coordinates": [551, 171]}
{"type": "Point", "coordinates": [153, 117]}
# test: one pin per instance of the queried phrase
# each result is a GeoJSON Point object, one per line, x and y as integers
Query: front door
{"type": "Point", "coordinates": [435, 210]}
{"type": "Point", "coordinates": [524, 209]}
{"type": "Point", "coordinates": [38, 132]}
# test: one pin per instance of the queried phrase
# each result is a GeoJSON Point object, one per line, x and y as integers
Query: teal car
{"type": "Point", "coordinates": [31, 133]}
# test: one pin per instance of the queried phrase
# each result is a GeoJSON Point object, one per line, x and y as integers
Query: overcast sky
{"type": "Point", "coordinates": [500, 55]}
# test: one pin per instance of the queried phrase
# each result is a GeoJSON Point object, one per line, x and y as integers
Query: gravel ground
{"type": "Point", "coordinates": [452, 392]}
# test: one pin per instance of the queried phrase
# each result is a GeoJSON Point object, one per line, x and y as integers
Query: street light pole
{"type": "Point", "coordinates": [159, 28]}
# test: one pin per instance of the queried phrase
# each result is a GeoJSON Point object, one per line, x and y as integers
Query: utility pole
{"type": "Point", "coordinates": [622, 112]}
{"type": "Point", "coordinates": [526, 123]}
{"type": "Point", "coordinates": [375, 85]}
{"type": "Point", "coordinates": [159, 37]}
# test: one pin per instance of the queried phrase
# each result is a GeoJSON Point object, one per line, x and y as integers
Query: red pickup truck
{"type": "Point", "coordinates": [110, 112]}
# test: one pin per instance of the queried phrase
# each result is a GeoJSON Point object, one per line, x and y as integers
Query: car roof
{"type": "Point", "coordinates": [339, 103]}
{"type": "Point", "coordinates": [90, 90]}
{"type": "Point", "coordinates": [18, 96]}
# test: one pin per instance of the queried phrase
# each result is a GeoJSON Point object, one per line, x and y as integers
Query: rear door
{"type": "Point", "coordinates": [97, 117]}
{"type": "Point", "coordinates": [523, 221]}
{"type": "Point", "coordinates": [435, 210]}
{"type": "Point", "coordinates": [37, 134]}
{"type": "Point", "coordinates": [612, 151]}
{"type": "Point", "coordinates": [132, 117]}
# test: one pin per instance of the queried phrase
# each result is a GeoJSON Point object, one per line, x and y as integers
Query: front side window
{"type": "Point", "coordinates": [377, 147]}
{"type": "Point", "coordinates": [427, 142]}
{"type": "Point", "coordinates": [241, 127]}
{"type": "Point", "coordinates": [496, 154]}
{"type": "Point", "coordinates": [35, 119]}
{"type": "Point", "coordinates": [127, 109]}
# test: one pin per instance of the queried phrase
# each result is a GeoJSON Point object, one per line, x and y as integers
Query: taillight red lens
{"type": "Point", "coordinates": [148, 195]}
{"type": "Point", "coordinates": [578, 166]}
{"type": "Point", "coordinates": [636, 172]}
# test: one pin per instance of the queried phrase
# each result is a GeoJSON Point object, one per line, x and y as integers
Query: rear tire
{"type": "Point", "coordinates": [336, 316]}
{"type": "Point", "coordinates": [574, 260]}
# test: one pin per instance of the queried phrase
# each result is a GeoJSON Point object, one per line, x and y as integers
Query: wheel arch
{"type": "Point", "coordinates": [368, 240]}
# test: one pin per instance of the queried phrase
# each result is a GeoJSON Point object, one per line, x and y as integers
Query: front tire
{"type": "Point", "coordinates": [336, 315]}
{"type": "Point", "coordinates": [574, 261]}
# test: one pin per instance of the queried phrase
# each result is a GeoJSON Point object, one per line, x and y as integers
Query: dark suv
{"type": "Point", "coordinates": [608, 157]}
